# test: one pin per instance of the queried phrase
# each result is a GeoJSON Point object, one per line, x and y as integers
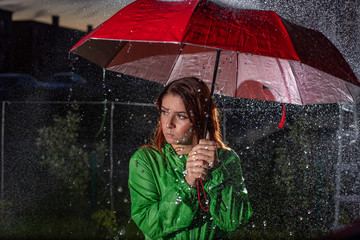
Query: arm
{"type": "Point", "coordinates": [229, 204]}
{"type": "Point", "coordinates": [158, 214]}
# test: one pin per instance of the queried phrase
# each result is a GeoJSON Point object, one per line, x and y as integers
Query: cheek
{"type": "Point", "coordinates": [187, 129]}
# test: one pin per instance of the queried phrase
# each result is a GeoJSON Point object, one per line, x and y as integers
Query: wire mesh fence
{"type": "Point", "coordinates": [64, 167]}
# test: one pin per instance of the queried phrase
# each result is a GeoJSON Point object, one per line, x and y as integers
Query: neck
{"type": "Point", "coordinates": [182, 149]}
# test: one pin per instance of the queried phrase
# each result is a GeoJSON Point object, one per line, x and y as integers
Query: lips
{"type": "Point", "coordinates": [169, 135]}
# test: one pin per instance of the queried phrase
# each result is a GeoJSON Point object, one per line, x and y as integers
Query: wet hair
{"type": "Point", "coordinates": [196, 96]}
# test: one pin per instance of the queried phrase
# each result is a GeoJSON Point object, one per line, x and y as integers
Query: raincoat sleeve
{"type": "Point", "coordinates": [229, 204]}
{"type": "Point", "coordinates": [155, 215]}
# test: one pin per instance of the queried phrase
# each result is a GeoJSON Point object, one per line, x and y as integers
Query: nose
{"type": "Point", "coordinates": [170, 123]}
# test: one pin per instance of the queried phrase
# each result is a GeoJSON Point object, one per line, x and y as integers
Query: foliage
{"type": "Point", "coordinates": [5, 212]}
{"type": "Point", "coordinates": [301, 180]}
{"type": "Point", "coordinates": [62, 154]}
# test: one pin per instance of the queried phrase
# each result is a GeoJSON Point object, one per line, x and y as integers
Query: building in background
{"type": "Point", "coordinates": [5, 39]}
{"type": "Point", "coordinates": [43, 49]}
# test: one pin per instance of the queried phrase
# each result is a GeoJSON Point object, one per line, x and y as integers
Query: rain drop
{"type": "Point", "coordinates": [120, 189]}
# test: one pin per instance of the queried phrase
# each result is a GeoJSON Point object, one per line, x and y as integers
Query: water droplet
{"type": "Point", "coordinates": [199, 90]}
{"type": "Point", "coordinates": [120, 189]}
{"type": "Point", "coordinates": [264, 223]}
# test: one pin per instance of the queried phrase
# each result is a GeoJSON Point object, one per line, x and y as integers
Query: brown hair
{"type": "Point", "coordinates": [196, 96]}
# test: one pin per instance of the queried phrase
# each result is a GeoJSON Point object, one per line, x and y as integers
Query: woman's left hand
{"type": "Point", "coordinates": [205, 151]}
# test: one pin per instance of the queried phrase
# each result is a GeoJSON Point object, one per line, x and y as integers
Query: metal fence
{"type": "Point", "coordinates": [291, 173]}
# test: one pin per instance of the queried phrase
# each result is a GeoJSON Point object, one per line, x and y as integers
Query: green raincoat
{"type": "Point", "coordinates": [165, 207]}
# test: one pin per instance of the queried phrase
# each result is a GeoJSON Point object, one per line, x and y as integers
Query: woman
{"type": "Point", "coordinates": [166, 202]}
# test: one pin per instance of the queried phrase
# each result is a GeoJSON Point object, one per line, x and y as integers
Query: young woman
{"type": "Point", "coordinates": [168, 200]}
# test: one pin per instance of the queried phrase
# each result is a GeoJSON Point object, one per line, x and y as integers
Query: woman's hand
{"type": "Point", "coordinates": [201, 157]}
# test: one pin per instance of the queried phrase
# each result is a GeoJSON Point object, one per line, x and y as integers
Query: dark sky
{"type": "Point", "coordinates": [77, 14]}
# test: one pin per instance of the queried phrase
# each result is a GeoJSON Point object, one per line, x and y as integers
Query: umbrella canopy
{"type": "Point", "coordinates": [263, 56]}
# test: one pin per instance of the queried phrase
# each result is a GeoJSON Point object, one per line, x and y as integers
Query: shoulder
{"type": "Point", "coordinates": [146, 155]}
{"type": "Point", "coordinates": [228, 155]}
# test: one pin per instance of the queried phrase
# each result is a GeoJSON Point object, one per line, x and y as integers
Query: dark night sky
{"type": "Point", "coordinates": [77, 14]}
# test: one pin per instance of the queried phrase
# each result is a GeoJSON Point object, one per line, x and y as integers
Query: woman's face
{"type": "Point", "coordinates": [175, 121]}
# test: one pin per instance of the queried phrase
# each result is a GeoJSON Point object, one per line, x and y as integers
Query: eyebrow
{"type": "Point", "coordinates": [167, 109]}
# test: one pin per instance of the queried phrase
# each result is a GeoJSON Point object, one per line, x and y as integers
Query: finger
{"type": "Point", "coordinates": [206, 142]}
{"type": "Point", "coordinates": [197, 173]}
{"type": "Point", "coordinates": [197, 163]}
{"type": "Point", "coordinates": [207, 135]}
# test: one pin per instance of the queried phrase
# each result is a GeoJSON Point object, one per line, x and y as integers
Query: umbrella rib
{"type": "Point", "coordinates": [296, 82]}
{"type": "Point", "coordinates": [172, 68]}
{"type": "Point", "coordinates": [237, 73]}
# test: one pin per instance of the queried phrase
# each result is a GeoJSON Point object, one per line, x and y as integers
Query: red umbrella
{"type": "Point", "coordinates": [262, 55]}
{"type": "Point", "coordinates": [241, 53]}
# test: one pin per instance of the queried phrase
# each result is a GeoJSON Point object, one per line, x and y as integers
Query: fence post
{"type": "Point", "coordinates": [2, 148]}
{"type": "Point", "coordinates": [93, 179]}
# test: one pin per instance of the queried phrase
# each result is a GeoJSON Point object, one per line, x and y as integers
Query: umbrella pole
{"type": "Point", "coordinates": [199, 182]}
{"type": "Point", "coordinates": [211, 92]}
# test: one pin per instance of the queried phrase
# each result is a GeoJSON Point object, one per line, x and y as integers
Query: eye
{"type": "Point", "coordinates": [163, 112]}
{"type": "Point", "coordinates": [182, 116]}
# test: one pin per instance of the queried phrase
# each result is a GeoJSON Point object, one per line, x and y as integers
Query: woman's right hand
{"type": "Point", "coordinates": [196, 168]}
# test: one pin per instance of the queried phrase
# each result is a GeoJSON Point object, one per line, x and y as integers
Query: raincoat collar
{"type": "Point", "coordinates": [170, 153]}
